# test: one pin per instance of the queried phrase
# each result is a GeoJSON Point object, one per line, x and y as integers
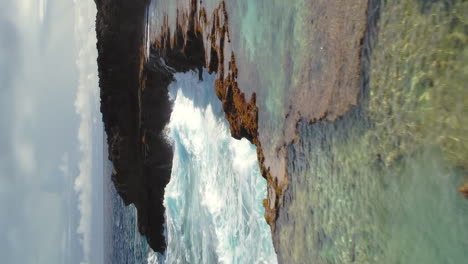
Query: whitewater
{"type": "Point", "coordinates": [214, 211]}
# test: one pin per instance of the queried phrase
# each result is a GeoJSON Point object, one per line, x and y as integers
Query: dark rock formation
{"type": "Point", "coordinates": [135, 108]}
{"type": "Point", "coordinates": [135, 103]}
{"type": "Point", "coordinates": [186, 49]}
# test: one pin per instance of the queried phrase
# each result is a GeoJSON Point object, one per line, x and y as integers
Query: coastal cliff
{"type": "Point", "coordinates": [201, 41]}
{"type": "Point", "coordinates": [135, 108]}
{"type": "Point", "coordinates": [135, 103]}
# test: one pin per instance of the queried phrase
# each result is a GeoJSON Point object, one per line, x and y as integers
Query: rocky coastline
{"type": "Point", "coordinates": [199, 41]}
{"type": "Point", "coordinates": [136, 106]}
{"type": "Point", "coordinates": [135, 103]}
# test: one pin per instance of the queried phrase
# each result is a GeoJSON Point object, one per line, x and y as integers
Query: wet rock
{"type": "Point", "coordinates": [135, 108]}
{"type": "Point", "coordinates": [464, 190]}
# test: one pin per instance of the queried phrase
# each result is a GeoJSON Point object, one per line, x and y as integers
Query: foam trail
{"type": "Point", "coordinates": [214, 200]}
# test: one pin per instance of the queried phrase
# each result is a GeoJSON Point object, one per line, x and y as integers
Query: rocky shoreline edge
{"type": "Point", "coordinates": [136, 107]}
{"type": "Point", "coordinates": [135, 103]}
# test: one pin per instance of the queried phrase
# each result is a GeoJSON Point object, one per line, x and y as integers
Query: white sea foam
{"type": "Point", "coordinates": [214, 200]}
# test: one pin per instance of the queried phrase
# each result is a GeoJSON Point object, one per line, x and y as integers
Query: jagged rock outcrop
{"type": "Point", "coordinates": [198, 42]}
{"type": "Point", "coordinates": [135, 108]}
{"type": "Point", "coordinates": [135, 103]}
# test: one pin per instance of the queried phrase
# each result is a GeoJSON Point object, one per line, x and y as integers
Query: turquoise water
{"type": "Point", "coordinates": [214, 199]}
{"type": "Point", "coordinates": [268, 41]}
{"type": "Point", "coordinates": [293, 54]}
{"type": "Point", "coordinates": [380, 185]}
{"type": "Point", "coordinates": [345, 205]}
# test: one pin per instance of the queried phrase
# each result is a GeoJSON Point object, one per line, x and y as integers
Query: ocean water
{"type": "Point", "coordinates": [214, 199]}
{"type": "Point", "coordinates": [123, 241]}
{"type": "Point", "coordinates": [380, 185]}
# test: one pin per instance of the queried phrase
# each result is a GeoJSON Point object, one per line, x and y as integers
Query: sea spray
{"type": "Point", "coordinates": [214, 200]}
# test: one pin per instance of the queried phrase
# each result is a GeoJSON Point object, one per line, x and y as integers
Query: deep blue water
{"type": "Point", "coordinates": [126, 244]}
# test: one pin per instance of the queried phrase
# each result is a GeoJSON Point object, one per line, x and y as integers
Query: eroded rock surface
{"type": "Point", "coordinates": [135, 103]}
{"type": "Point", "coordinates": [136, 107]}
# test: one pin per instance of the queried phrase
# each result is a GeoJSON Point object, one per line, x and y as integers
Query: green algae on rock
{"type": "Point", "coordinates": [381, 184]}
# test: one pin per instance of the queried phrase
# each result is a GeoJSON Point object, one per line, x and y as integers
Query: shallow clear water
{"type": "Point", "coordinates": [380, 185]}
{"type": "Point", "coordinates": [293, 54]}
{"type": "Point", "coordinates": [214, 211]}
{"type": "Point", "coordinates": [269, 40]}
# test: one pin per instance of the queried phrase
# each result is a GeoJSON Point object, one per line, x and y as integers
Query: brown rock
{"type": "Point", "coordinates": [464, 190]}
{"type": "Point", "coordinates": [136, 107]}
